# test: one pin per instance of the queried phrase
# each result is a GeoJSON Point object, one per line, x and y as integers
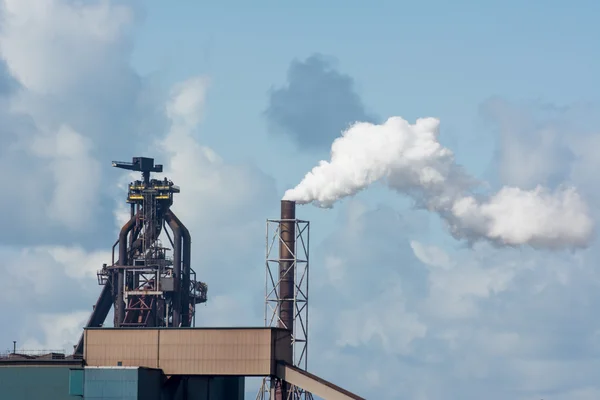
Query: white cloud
{"type": "Point", "coordinates": [75, 103]}
{"type": "Point", "coordinates": [222, 204]}
{"type": "Point", "coordinates": [392, 316]}
{"type": "Point", "coordinates": [474, 321]}
{"type": "Point", "coordinates": [59, 331]}
{"type": "Point", "coordinates": [76, 175]}
{"type": "Point", "coordinates": [84, 104]}
{"type": "Point", "coordinates": [384, 320]}
{"type": "Point", "coordinates": [431, 255]}
{"type": "Point", "coordinates": [44, 270]}
{"type": "Point", "coordinates": [52, 46]}
{"type": "Point", "coordinates": [454, 289]}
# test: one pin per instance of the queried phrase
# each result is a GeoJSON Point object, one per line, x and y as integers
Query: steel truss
{"type": "Point", "coordinates": [300, 266]}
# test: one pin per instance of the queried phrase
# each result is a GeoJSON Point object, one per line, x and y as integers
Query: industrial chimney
{"type": "Point", "coordinates": [287, 256]}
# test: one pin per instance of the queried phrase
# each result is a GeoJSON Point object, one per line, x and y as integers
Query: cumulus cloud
{"type": "Point", "coordinates": [410, 159]}
{"type": "Point", "coordinates": [88, 114]}
{"type": "Point", "coordinates": [57, 331]}
{"type": "Point", "coordinates": [542, 143]}
{"type": "Point", "coordinates": [72, 103]}
{"type": "Point", "coordinates": [223, 203]}
{"type": "Point", "coordinates": [394, 331]}
{"type": "Point", "coordinates": [391, 316]}
{"type": "Point", "coordinates": [316, 103]}
{"type": "Point", "coordinates": [48, 293]}
{"type": "Point", "coordinates": [214, 204]}
{"type": "Point", "coordinates": [415, 320]}
{"type": "Point", "coordinates": [61, 62]}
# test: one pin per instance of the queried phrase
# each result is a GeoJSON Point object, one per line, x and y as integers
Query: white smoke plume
{"type": "Point", "coordinates": [410, 159]}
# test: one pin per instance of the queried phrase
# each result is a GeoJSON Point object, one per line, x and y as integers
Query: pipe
{"type": "Point", "coordinates": [287, 249]}
{"type": "Point", "coordinates": [187, 266]}
{"type": "Point", "coordinates": [287, 266]}
{"type": "Point", "coordinates": [123, 260]}
{"type": "Point", "coordinates": [184, 287]}
{"type": "Point", "coordinates": [177, 237]}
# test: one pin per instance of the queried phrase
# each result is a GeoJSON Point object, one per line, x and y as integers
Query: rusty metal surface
{"type": "Point", "coordinates": [182, 268]}
{"type": "Point", "coordinates": [313, 384]}
{"type": "Point", "coordinates": [175, 226]}
{"type": "Point", "coordinates": [119, 304]}
{"type": "Point", "coordinates": [287, 230]}
{"type": "Point", "coordinates": [287, 266]}
{"type": "Point", "coordinates": [190, 351]}
{"type": "Point", "coordinates": [133, 284]}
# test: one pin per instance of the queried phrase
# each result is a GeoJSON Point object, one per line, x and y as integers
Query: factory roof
{"type": "Point", "coordinates": [39, 358]}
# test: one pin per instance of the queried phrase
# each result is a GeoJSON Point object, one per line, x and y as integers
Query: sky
{"type": "Point", "coordinates": [409, 298]}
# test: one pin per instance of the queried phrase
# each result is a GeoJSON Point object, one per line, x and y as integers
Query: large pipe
{"type": "Point", "coordinates": [123, 260]}
{"type": "Point", "coordinates": [287, 249]}
{"type": "Point", "coordinates": [287, 272]}
{"type": "Point", "coordinates": [184, 299]}
{"type": "Point", "coordinates": [185, 293]}
{"type": "Point", "coordinates": [175, 226]}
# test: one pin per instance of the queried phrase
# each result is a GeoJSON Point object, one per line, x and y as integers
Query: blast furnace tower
{"type": "Point", "coordinates": [149, 284]}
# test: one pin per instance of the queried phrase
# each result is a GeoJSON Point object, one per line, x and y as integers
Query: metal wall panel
{"type": "Point", "coordinates": [48, 383]}
{"type": "Point", "coordinates": [125, 347]}
{"type": "Point", "coordinates": [216, 351]}
{"type": "Point", "coordinates": [76, 382]}
{"type": "Point", "coordinates": [109, 383]}
{"type": "Point", "coordinates": [190, 351]}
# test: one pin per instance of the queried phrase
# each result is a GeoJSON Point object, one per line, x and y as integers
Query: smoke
{"type": "Point", "coordinates": [410, 160]}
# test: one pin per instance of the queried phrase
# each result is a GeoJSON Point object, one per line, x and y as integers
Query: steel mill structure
{"type": "Point", "coordinates": [153, 350]}
{"type": "Point", "coordinates": [146, 286]}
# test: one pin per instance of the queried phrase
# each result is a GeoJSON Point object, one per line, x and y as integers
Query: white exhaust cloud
{"type": "Point", "coordinates": [410, 159]}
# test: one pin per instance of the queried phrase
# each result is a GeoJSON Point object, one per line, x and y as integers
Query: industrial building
{"type": "Point", "coordinates": [153, 351]}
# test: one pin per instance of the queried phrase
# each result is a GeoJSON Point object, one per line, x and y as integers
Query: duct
{"type": "Point", "coordinates": [184, 299]}
{"type": "Point", "coordinates": [287, 232]}
{"type": "Point", "coordinates": [123, 260]}
{"type": "Point", "coordinates": [175, 226]}
{"type": "Point", "coordinates": [187, 266]}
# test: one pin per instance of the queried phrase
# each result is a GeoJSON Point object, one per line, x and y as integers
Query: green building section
{"type": "Point", "coordinates": [112, 383]}
{"type": "Point", "coordinates": [34, 383]}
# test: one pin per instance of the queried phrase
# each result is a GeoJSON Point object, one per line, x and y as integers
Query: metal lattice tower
{"type": "Point", "coordinates": [300, 266]}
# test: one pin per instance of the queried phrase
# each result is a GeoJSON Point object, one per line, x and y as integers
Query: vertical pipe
{"type": "Point", "coordinates": [287, 267]}
{"type": "Point", "coordinates": [287, 249]}
{"type": "Point", "coordinates": [177, 239]}
{"type": "Point", "coordinates": [123, 260]}
{"type": "Point", "coordinates": [185, 284]}
{"type": "Point", "coordinates": [177, 278]}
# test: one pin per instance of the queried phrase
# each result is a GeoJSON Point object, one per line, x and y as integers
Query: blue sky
{"type": "Point", "coordinates": [399, 307]}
